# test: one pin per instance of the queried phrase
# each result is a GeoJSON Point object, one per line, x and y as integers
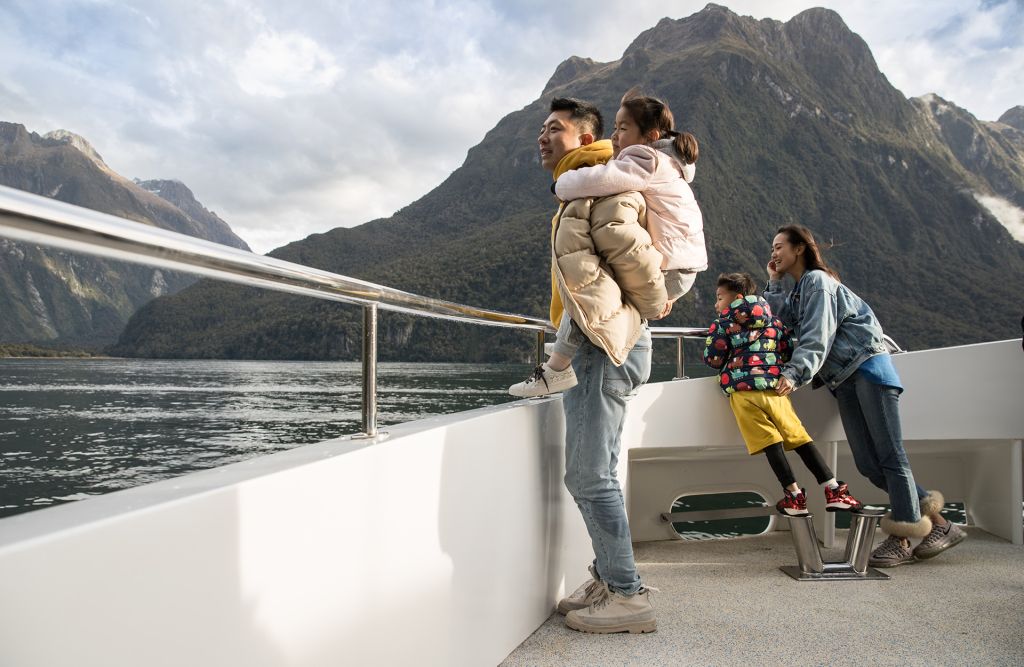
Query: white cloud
{"type": "Point", "coordinates": [283, 64]}
{"type": "Point", "coordinates": [293, 118]}
{"type": "Point", "coordinates": [1005, 212]}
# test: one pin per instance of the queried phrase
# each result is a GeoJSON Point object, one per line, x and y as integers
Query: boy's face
{"type": "Point", "coordinates": [723, 297]}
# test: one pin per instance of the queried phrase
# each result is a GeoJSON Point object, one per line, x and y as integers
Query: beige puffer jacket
{"type": "Point", "coordinates": [607, 270]}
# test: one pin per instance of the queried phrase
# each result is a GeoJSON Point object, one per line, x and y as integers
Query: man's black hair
{"type": "Point", "coordinates": [584, 115]}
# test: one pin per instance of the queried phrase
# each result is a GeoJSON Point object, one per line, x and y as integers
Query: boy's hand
{"type": "Point", "coordinates": [785, 387]}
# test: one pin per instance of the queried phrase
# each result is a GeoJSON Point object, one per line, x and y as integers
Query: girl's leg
{"type": "Point", "coordinates": [556, 373]}
{"type": "Point", "coordinates": [567, 341]}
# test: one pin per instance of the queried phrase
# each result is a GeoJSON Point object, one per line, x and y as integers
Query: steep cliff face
{"type": "Point", "coordinates": [990, 153]}
{"type": "Point", "coordinates": [796, 124]}
{"type": "Point", "coordinates": [1013, 117]}
{"type": "Point", "coordinates": [53, 296]}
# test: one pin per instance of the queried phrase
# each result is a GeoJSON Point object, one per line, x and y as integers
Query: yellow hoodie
{"type": "Point", "coordinates": [598, 152]}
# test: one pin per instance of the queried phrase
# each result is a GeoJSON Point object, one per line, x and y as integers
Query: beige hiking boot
{"type": "Point", "coordinates": [584, 596]}
{"type": "Point", "coordinates": [615, 612]}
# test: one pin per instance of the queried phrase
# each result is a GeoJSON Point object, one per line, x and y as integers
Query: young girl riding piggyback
{"type": "Point", "coordinates": [652, 158]}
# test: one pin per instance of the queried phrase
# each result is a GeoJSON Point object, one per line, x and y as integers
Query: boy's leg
{"type": "Point", "coordinates": [837, 494]}
{"type": "Point", "coordinates": [780, 466]}
{"type": "Point", "coordinates": [811, 457]}
{"type": "Point", "coordinates": [794, 503]}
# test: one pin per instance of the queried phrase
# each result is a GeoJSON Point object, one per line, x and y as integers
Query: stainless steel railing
{"type": "Point", "coordinates": [34, 219]}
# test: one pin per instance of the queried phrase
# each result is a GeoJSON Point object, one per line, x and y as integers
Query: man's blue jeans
{"type": "Point", "coordinates": [595, 410]}
{"type": "Point", "coordinates": [871, 419]}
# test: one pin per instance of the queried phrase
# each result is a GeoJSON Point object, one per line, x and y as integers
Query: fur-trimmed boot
{"type": "Point", "coordinates": [941, 537]}
{"type": "Point", "coordinates": [906, 528]}
{"type": "Point", "coordinates": [895, 550]}
{"type": "Point", "coordinates": [932, 504]}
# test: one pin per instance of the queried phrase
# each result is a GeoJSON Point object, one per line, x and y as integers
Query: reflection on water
{"type": "Point", "coordinates": [74, 428]}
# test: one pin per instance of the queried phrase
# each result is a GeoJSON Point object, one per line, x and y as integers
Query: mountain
{"type": "Point", "coordinates": [58, 297]}
{"type": "Point", "coordinates": [1013, 117]}
{"type": "Point", "coordinates": [989, 154]}
{"type": "Point", "coordinates": [796, 124]}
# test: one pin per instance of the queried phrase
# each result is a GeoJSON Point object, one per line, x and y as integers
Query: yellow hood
{"type": "Point", "coordinates": [598, 152]}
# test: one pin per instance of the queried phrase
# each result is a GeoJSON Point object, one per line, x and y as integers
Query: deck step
{"type": "Point", "coordinates": [712, 515]}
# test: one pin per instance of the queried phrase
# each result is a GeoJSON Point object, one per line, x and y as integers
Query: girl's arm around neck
{"type": "Point", "coordinates": [630, 172]}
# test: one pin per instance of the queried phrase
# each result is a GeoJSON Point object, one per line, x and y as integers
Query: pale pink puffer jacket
{"type": "Point", "coordinates": [674, 220]}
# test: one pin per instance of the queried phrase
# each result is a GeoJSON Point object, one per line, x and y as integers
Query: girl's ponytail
{"type": "Point", "coordinates": [650, 113]}
{"type": "Point", "coordinates": [686, 145]}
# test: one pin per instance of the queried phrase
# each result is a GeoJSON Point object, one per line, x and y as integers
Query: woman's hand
{"type": "Point", "coordinates": [664, 311]}
{"type": "Point", "coordinates": [785, 387]}
{"type": "Point", "coordinates": [772, 273]}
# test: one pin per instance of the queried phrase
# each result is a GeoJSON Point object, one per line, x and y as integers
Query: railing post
{"type": "Point", "coordinates": [370, 370]}
{"type": "Point", "coordinates": [680, 359]}
{"type": "Point", "coordinates": [540, 347]}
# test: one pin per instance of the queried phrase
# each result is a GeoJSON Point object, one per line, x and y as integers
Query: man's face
{"type": "Point", "coordinates": [557, 137]}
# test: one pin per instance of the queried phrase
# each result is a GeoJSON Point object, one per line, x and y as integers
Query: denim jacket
{"type": "Point", "coordinates": [835, 330]}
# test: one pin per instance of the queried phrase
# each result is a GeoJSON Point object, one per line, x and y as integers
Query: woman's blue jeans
{"type": "Point", "coordinates": [595, 410]}
{"type": "Point", "coordinates": [871, 418]}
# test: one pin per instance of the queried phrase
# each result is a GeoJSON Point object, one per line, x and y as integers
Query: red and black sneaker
{"type": "Point", "coordinates": [840, 500]}
{"type": "Point", "coordinates": [793, 504]}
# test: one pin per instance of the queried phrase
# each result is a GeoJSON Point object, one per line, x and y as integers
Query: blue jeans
{"type": "Point", "coordinates": [871, 419]}
{"type": "Point", "coordinates": [595, 410]}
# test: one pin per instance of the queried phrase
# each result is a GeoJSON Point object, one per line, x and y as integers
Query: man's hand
{"type": "Point", "coordinates": [785, 387]}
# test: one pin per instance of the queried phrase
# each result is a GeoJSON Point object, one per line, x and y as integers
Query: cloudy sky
{"type": "Point", "coordinates": [269, 111]}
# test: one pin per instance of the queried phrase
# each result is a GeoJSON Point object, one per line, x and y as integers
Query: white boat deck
{"type": "Point", "coordinates": [725, 602]}
{"type": "Point", "coordinates": [447, 541]}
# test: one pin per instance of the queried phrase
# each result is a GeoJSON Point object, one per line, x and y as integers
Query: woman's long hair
{"type": "Point", "coordinates": [650, 113]}
{"type": "Point", "coordinates": [797, 235]}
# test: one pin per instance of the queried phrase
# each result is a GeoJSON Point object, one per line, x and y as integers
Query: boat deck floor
{"type": "Point", "coordinates": [725, 602]}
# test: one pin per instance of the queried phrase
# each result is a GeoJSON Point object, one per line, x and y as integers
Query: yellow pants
{"type": "Point", "coordinates": [765, 418]}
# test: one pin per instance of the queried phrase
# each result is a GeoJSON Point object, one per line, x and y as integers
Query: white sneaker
{"type": "Point", "coordinates": [614, 612]}
{"type": "Point", "coordinates": [544, 381]}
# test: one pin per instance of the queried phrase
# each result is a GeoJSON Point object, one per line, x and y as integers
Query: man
{"type": "Point", "coordinates": [606, 276]}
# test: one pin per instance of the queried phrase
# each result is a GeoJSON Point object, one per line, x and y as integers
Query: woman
{"type": "Point", "coordinates": [840, 345]}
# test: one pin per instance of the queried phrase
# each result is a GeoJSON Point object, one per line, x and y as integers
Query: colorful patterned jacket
{"type": "Point", "coordinates": [749, 345]}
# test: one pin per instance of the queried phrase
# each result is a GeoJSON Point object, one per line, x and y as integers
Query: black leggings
{"type": "Point", "coordinates": [810, 456]}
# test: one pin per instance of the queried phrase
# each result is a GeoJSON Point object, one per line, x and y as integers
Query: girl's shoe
{"type": "Point", "coordinates": [543, 381]}
{"type": "Point", "coordinates": [840, 500]}
{"type": "Point", "coordinates": [793, 504]}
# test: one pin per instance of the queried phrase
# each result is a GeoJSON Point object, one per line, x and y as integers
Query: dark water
{"type": "Point", "coordinates": [74, 428]}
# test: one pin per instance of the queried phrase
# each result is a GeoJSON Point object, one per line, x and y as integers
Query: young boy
{"type": "Point", "coordinates": [750, 347]}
